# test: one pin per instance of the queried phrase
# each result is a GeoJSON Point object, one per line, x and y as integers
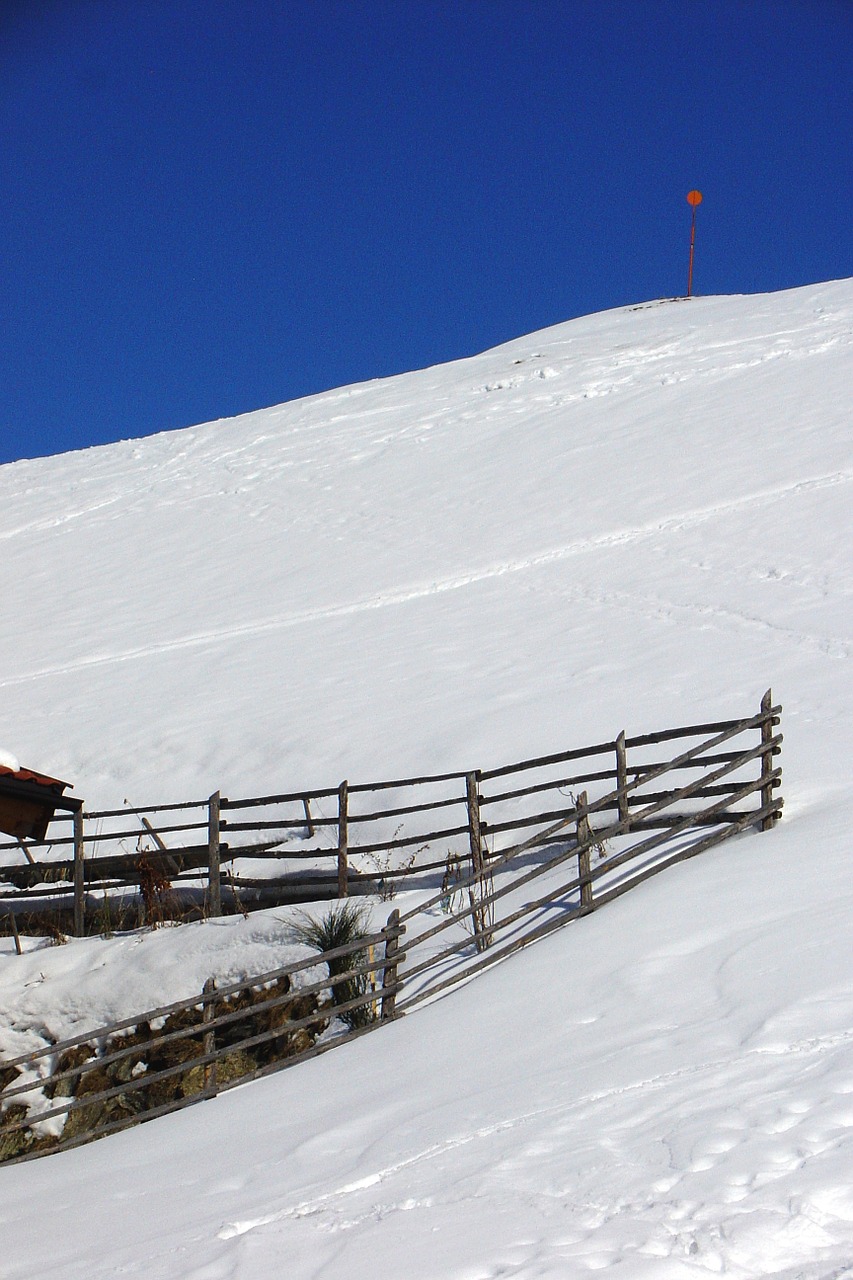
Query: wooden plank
{"type": "Point", "coordinates": [664, 820]}
{"type": "Point", "coordinates": [490, 957]}
{"type": "Point", "coordinates": [79, 890]}
{"type": "Point", "coordinates": [106, 867]}
{"type": "Point", "coordinates": [699, 762]}
{"type": "Point", "coordinates": [701, 793]}
{"type": "Point", "coordinates": [602, 775]}
{"type": "Point", "coordinates": [203, 1059]}
{"type": "Point", "coordinates": [279, 851]}
{"type": "Point", "coordinates": [209, 1042]}
{"type": "Point", "coordinates": [343, 837]}
{"type": "Point", "coordinates": [622, 781]}
{"type": "Point", "coordinates": [101, 814]}
{"type": "Point", "coordinates": [494, 896]}
{"type": "Point", "coordinates": [438, 958]}
{"type": "Point", "coordinates": [407, 782]}
{"type": "Point", "coordinates": [404, 810]}
{"type": "Point", "coordinates": [29, 857]}
{"type": "Point", "coordinates": [296, 823]}
{"type": "Point", "coordinates": [482, 936]}
{"type": "Point", "coordinates": [406, 842]}
{"type": "Point", "coordinates": [584, 837]}
{"type": "Point", "coordinates": [99, 836]}
{"type": "Point", "coordinates": [389, 971]}
{"type": "Point", "coordinates": [767, 762]}
{"type": "Point", "coordinates": [687, 731]}
{"type": "Point", "coordinates": [214, 883]}
{"type": "Point", "coordinates": [309, 819]}
{"type": "Point", "coordinates": [43, 844]}
{"type": "Point", "coordinates": [277, 824]}
{"type": "Point", "coordinates": [581, 753]}
{"type": "Point", "coordinates": [520, 824]}
{"type": "Point", "coordinates": [129, 1086]}
{"type": "Point", "coordinates": [257, 802]}
{"type": "Point", "coordinates": [14, 927]}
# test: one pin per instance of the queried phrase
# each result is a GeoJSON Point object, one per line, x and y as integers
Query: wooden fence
{"type": "Point", "coordinates": [219, 855]}
{"type": "Point", "coordinates": [579, 852]}
{"type": "Point", "coordinates": [600, 848]}
{"type": "Point", "coordinates": [101, 1081]}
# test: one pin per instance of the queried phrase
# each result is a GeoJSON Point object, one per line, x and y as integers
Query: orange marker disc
{"type": "Point", "coordinates": [694, 198]}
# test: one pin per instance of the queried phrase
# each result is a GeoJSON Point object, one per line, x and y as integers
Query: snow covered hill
{"type": "Point", "coordinates": [637, 518]}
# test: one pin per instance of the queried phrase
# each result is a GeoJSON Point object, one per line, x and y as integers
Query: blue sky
{"type": "Point", "coordinates": [209, 206]}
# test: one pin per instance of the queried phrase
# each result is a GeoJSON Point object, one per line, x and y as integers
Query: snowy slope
{"type": "Point", "coordinates": [637, 518]}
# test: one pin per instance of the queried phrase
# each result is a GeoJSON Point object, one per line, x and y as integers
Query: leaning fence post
{"type": "Point", "coordinates": [343, 836]}
{"type": "Point", "coordinates": [79, 887]}
{"type": "Point", "coordinates": [214, 897]}
{"type": "Point", "coordinates": [770, 819]}
{"type": "Point", "coordinates": [389, 972]}
{"type": "Point", "coordinates": [622, 781]}
{"type": "Point", "coordinates": [209, 1044]}
{"type": "Point", "coordinates": [584, 837]}
{"type": "Point", "coordinates": [309, 821]}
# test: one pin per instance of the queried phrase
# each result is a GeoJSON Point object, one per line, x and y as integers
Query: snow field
{"type": "Point", "coordinates": [630, 520]}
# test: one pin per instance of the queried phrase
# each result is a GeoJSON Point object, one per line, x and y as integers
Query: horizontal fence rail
{"type": "Point", "coordinates": [534, 850]}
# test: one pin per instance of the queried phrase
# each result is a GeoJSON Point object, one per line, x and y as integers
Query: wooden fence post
{"type": "Point", "coordinates": [309, 821]}
{"type": "Point", "coordinates": [209, 1044]}
{"type": "Point", "coordinates": [482, 937]}
{"type": "Point", "coordinates": [583, 838]}
{"type": "Point", "coordinates": [343, 837]}
{"type": "Point", "coordinates": [14, 926]}
{"type": "Point", "coordinates": [767, 763]}
{"type": "Point", "coordinates": [474, 836]}
{"type": "Point", "coordinates": [622, 781]}
{"type": "Point", "coordinates": [389, 971]}
{"type": "Point", "coordinates": [79, 887]}
{"type": "Point", "coordinates": [214, 897]}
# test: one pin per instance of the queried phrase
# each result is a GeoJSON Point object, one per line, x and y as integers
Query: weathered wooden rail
{"type": "Point", "coordinates": [587, 854]}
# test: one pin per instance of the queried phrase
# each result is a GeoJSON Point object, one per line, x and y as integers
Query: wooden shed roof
{"type": "Point", "coordinates": [28, 801]}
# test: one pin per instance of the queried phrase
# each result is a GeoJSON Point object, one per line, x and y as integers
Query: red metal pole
{"type": "Point", "coordinates": [694, 198]}
{"type": "Point", "coordinates": [692, 243]}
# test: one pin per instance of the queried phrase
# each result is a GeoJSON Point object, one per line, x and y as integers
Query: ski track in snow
{"type": "Point", "coordinates": [827, 645]}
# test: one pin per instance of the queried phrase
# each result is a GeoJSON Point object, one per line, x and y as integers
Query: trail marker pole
{"type": "Point", "coordinates": [694, 198]}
